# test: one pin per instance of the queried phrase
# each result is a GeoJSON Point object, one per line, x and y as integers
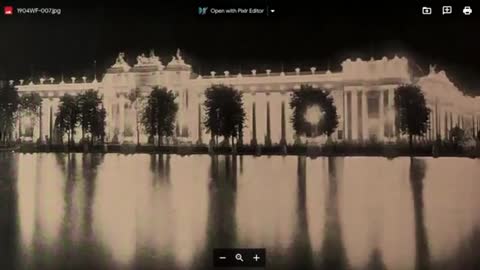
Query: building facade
{"type": "Point", "coordinates": [363, 92]}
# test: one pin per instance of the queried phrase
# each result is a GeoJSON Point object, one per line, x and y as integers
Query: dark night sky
{"type": "Point", "coordinates": [296, 36]}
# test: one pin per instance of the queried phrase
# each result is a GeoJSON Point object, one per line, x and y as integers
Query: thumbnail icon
{"type": "Point", "coordinates": [202, 10]}
{"type": "Point", "coordinates": [467, 10]}
{"type": "Point", "coordinates": [8, 10]}
{"type": "Point", "coordinates": [426, 10]}
{"type": "Point", "coordinates": [446, 10]}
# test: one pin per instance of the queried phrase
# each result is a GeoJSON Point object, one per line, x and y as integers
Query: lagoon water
{"type": "Point", "coordinates": [112, 211]}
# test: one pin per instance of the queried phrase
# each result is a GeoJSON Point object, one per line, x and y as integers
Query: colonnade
{"type": "Point", "coordinates": [363, 114]}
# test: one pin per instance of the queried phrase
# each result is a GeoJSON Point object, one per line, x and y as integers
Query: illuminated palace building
{"type": "Point", "coordinates": [363, 93]}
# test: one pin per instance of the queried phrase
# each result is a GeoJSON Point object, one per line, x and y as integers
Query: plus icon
{"type": "Point", "coordinates": [256, 258]}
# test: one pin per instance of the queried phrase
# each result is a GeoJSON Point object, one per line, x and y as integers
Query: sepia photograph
{"type": "Point", "coordinates": [239, 135]}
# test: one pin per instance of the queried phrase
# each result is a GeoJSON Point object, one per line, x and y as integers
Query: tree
{"type": "Point", "coordinates": [159, 114]}
{"type": "Point", "coordinates": [457, 136]}
{"type": "Point", "coordinates": [68, 116]}
{"type": "Point", "coordinates": [412, 111]}
{"type": "Point", "coordinates": [9, 103]}
{"type": "Point", "coordinates": [314, 112]}
{"type": "Point", "coordinates": [91, 114]}
{"type": "Point", "coordinates": [225, 115]}
{"type": "Point", "coordinates": [30, 106]}
{"type": "Point", "coordinates": [97, 129]}
{"type": "Point", "coordinates": [136, 99]}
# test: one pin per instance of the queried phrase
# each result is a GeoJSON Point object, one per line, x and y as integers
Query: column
{"type": "Point", "coordinates": [435, 123]}
{"type": "Point", "coordinates": [40, 123]}
{"type": "Point", "coordinates": [54, 103]}
{"type": "Point", "coordinates": [338, 102]}
{"type": "Point", "coordinates": [121, 109]}
{"type": "Point", "coordinates": [261, 111]}
{"type": "Point", "coordinates": [180, 114]}
{"type": "Point", "coordinates": [393, 113]}
{"type": "Point", "coordinates": [268, 135]}
{"type": "Point", "coordinates": [474, 125]}
{"type": "Point", "coordinates": [453, 120]}
{"type": "Point", "coordinates": [36, 123]}
{"type": "Point", "coordinates": [364, 115]}
{"type": "Point", "coordinates": [354, 121]}
{"type": "Point", "coordinates": [199, 124]}
{"type": "Point", "coordinates": [44, 112]}
{"type": "Point", "coordinates": [346, 118]}
{"type": "Point", "coordinates": [254, 123]}
{"type": "Point", "coordinates": [50, 123]}
{"type": "Point", "coordinates": [446, 125]}
{"type": "Point", "coordinates": [283, 140]}
{"type": "Point", "coordinates": [431, 126]}
{"type": "Point", "coordinates": [442, 122]}
{"type": "Point", "coordinates": [477, 124]}
{"type": "Point", "coordinates": [381, 108]}
{"type": "Point", "coordinates": [275, 117]}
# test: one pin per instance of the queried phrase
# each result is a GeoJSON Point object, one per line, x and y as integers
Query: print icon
{"type": "Point", "coordinates": [467, 10]}
{"type": "Point", "coordinates": [426, 10]}
{"type": "Point", "coordinates": [446, 10]}
{"type": "Point", "coordinates": [8, 10]}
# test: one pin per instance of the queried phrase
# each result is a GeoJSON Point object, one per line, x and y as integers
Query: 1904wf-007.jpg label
{"type": "Point", "coordinates": [40, 11]}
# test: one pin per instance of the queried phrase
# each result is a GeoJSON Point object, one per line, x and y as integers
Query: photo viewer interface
{"type": "Point", "coordinates": [239, 135]}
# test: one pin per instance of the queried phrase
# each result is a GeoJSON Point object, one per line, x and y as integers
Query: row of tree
{"type": "Point", "coordinates": [12, 107]}
{"type": "Point", "coordinates": [224, 113]}
{"type": "Point", "coordinates": [85, 111]}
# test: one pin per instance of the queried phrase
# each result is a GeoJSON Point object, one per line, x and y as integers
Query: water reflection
{"type": "Point", "coordinates": [376, 213]}
{"type": "Point", "coordinates": [10, 253]}
{"type": "Point", "coordinates": [451, 195]}
{"type": "Point", "coordinates": [417, 175]}
{"type": "Point", "coordinates": [166, 211]}
{"type": "Point", "coordinates": [333, 252]}
{"type": "Point", "coordinates": [266, 210]}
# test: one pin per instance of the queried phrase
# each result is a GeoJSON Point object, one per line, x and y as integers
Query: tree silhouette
{"type": "Point", "coordinates": [97, 128]}
{"type": "Point", "coordinates": [412, 111]}
{"type": "Point", "coordinates": [91, 114]}
{"type": "Point", "coordinates": [9, 101]}
{"type": "Point", "coordinates": [158, 116]}
{"type": "Point", "coordinates": [68, 116]}
{"type": "Point", "coordinates": [417, 178]}
{"type": "Point", "coordinates": [225, 115]}
{"type": "Point", "coordinates": [30, 106]}
{"type": "Point", "coordinates": [306, 98]}
{"type": "Point", "coordinates": [457, 136]}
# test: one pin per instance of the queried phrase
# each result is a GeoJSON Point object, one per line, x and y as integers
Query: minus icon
{"type": "Point", "coordinates": [222, 258]}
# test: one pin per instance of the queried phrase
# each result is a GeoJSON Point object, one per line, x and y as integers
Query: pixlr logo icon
{"type": "Point", "coordinates": [8, 10]}
{"type": "Point", "coordinates": [202, 10]}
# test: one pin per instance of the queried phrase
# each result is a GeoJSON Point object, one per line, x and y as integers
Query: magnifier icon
{"type": "Point", "coordinates": [238, 257]}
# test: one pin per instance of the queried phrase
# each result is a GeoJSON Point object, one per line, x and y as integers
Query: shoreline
{"type": "Point", "coordinates": [334, 150]}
